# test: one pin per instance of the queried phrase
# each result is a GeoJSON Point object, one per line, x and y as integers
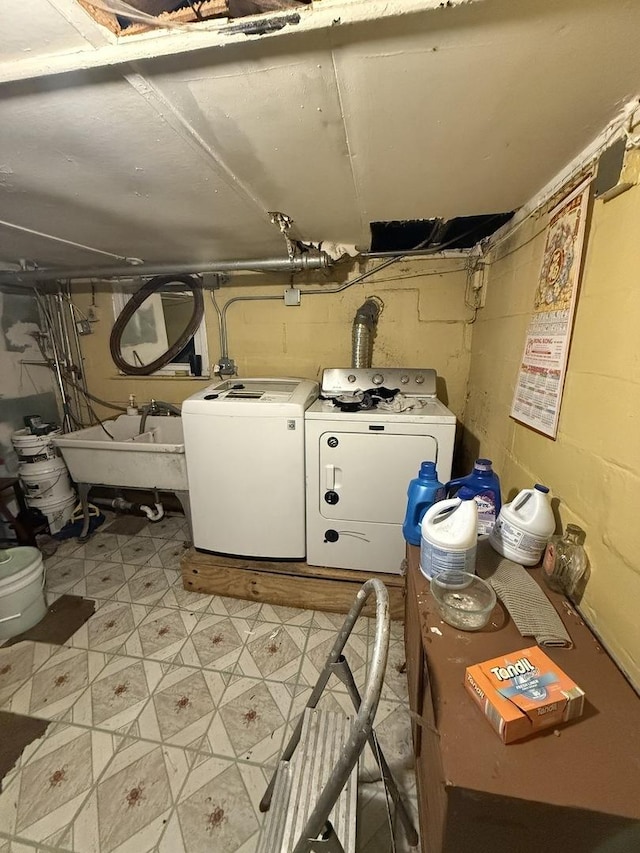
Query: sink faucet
{"type": "Point", "coordinates": [156, 407]}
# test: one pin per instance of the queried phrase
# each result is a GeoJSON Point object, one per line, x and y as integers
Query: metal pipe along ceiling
{"type": "Point", "coordinates": [308, 261]}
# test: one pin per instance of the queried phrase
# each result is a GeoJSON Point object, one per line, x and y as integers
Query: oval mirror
{"type": "Point", "coordinates": [157, 324]}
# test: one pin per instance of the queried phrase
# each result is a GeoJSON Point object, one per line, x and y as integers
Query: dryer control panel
{"type": "Point", "coordinates": [412, 381]}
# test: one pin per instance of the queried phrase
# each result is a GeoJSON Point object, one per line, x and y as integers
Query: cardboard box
{"type": "Point", "coordinates": [523, 692]}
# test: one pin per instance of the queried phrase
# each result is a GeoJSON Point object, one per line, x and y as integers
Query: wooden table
{"type": "Point", "coordinates": [575, 790]}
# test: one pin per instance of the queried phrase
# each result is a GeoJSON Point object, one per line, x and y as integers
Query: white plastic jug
{"type": "Point", "coordinates": [524, 526]}
{"type": "Point", "coordinates": [449, 535]}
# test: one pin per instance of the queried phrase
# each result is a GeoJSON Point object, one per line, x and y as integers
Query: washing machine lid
{"type": "Point", "coordinates": [263, 396]}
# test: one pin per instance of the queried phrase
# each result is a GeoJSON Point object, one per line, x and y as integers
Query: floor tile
{"type": "Point", "coordinates": [118, 695]}
{"type": "Point", "coordinates": [222, 605]}
{"type": "Point", "coordinates": [182, 707]}
{"type": "Point", "coordinates": [101, 580]}
{"type": "Point", "coordinates": [250, 721]}
{"type": "Point", "coordinates": [146, 585]}
{"type": "Point", "coordinates": [54, 688]}
{"type": "Point", "coordinates": [169, 527]}
{"type": "Point", "coordinates": [161, 634]}
{"type": "Point", "coordinates": [334, 622]}
{"type": "Point", "coordinates": [216, 642]}
{"type": "Point", "coordinates": [99, 546]}
{"type": "Point", "coordinates": [178, 596]}
{"type": "Point", "coordinates": [126, 811]}
{"type": "Point", "coordinates": [109, 626]}
{"type": "Point", "coordinates": [67, 572]}
{"type": "Point", "coordinates": [319, 645]}
{"type": "Point", "coordinates": [66, 548]}
{"type": "Point", "coordinates": [393, 731]}
{"type": "Point", "coordinates": [138, 550]}
{"type": "Point", "coordinates": [284, 615]}
{"type": "Point", "coordinates": [27, 754]}
{"type": "Point", "coordinates": [273, 651]}
{"type": "Point", "coordinates": [167, 553]}
{"type": "Point", "coordinates": [217, 809]}
{"type": "Point", "coordinates": [44, 796]}
{"type": "Point", "coordinates": [395, 677]}
{"type": "Point", "coordinates": [377, 819]}
{"type": "Point", "coordinates": [18, 664]}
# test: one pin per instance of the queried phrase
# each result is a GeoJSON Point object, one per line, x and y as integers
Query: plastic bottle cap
{"type": "Point", "coordinates": [541, 488]}
{"type": "Point", "coordinates": [482, 465]}
{"type": "Point", "coordinates": [465, 493]}
{"type": "Point", "coordinates": [427, 469]}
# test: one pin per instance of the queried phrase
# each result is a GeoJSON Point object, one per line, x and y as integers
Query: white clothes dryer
{"type": "Point", "coordinates": [360, 462]}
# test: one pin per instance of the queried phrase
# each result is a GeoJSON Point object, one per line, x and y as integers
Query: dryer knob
{"type": "Point", "coordinates": [377, 379]}
{"type": "Point", "coordinates": [404, 379]}
{"type": "Point", "coordinates": [331, 536]}
{"type": "Point", "coordinates": [331, 497]}
{"type": "Point", "coordinates": [419, 379]}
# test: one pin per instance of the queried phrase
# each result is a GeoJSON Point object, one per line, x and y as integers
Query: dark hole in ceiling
{"type": "Point", "coordinates": [202, 10]}
{"type": "Point", "coordinates": [462, 232]}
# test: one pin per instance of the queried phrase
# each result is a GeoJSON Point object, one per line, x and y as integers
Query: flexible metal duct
{"type": "Point", "coordinates": [364, 326]}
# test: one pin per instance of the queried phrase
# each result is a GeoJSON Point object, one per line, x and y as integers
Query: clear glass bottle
{"type": "Point", "coordinates": [565, 561]}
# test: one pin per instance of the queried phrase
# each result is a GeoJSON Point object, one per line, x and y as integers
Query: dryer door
{"type": "Point", "coordinates": [365, 476]}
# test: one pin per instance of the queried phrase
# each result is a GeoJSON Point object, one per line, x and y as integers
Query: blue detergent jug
{"type": "Point", "coordinates": [485, 484]}
{"type": "Point", "coordinates": [424, 490]}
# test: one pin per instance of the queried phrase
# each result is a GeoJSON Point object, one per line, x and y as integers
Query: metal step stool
{"type": "Point", "coordinates": [312, 796]}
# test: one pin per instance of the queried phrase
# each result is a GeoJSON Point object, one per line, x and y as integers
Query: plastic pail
{"type": "Point", "coordinates": [28, 446]}
{"type": "Point", "coordinates": [46, 479]}
{"type": "Point", "coordinates": [57, 510]}
{"type": "Point", "coordinates": [22, 601]}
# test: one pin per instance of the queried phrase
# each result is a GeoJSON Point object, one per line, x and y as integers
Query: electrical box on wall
{"type": "Point", "coordinates": [292, 296]}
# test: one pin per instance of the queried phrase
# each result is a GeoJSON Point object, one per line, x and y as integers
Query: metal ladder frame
{"type": "Point", "coordinates": [318, 834]}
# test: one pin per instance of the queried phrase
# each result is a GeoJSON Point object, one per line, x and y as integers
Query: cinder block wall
{"type": "Point", "coordinates": [424, 323]}
{"type": "Point", "coordinates": [593, 468]}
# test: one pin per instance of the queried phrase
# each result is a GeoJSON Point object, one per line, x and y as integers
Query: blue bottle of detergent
{"type": "Point", "coordinates": [424, 490]}
{"type": "Point", "coordinates": [485, 485]}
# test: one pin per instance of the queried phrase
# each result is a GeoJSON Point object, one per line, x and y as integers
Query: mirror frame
{"type": "Point", "coordinates": [191, 283]}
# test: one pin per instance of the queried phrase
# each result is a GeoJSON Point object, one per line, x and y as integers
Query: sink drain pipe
{"type": "Point", "coordinates": [121, 505]}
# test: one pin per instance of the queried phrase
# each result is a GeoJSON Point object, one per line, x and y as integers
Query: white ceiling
{"type": "Point", "coordinates": [173, 147]}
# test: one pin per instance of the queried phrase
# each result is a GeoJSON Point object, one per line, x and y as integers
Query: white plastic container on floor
{"type": "Point", "coordinates": [22, 601]}
{"type": "Point", "coordinates": [524, 526]}
{"type": "Point", "coordinates": [449, 535]}
{"type": "Point", "coordinates": [29, 446]}
{"type": "Point", "coordinates": [56, 510]}
{"type": "Point", "coordinates": [46, 479]}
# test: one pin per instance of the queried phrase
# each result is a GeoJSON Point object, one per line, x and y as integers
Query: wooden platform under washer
{"type": "Point", "coordinates": [289, 584]}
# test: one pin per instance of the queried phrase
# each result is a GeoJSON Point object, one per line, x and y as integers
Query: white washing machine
{"type": "Point", "coordinates": [244, 445]}
{"type": "Point", "coordinates": [360, 462]}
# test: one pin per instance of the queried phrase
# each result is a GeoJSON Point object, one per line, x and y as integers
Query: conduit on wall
{"type": "Point", "coordinates": [300, 263]}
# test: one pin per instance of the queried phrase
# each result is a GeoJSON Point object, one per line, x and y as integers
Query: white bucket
{"type": "Point", "coordinates": [524, 527]}
{"type": "Point", "coordinates": [28, 446]}
{"type": "Point", "coordinates": [57, 510]}
{"type": "Point", "coordinates": [47, 479]}
{"type": "Point", "coordinates": [22, 601]}
{"type": "Point", "coordinates": [449, 535]}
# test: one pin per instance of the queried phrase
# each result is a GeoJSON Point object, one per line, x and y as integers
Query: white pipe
{"type": "Point", "coordinates": [153, 514]}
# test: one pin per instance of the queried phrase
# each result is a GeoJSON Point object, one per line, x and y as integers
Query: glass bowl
{"type": "Point", "coordinates": [464, 600]}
